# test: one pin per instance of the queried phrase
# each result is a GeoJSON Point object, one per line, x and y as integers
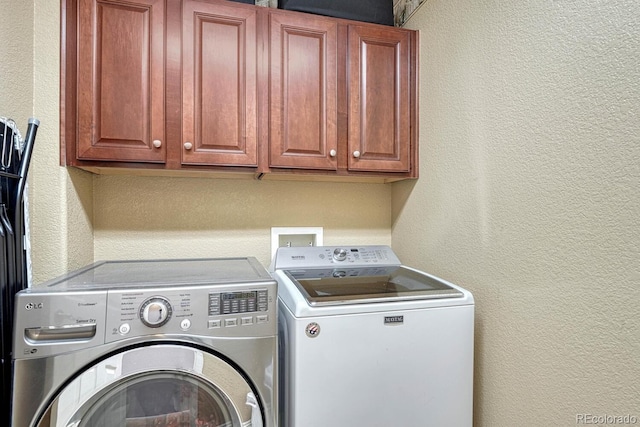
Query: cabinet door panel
{"type": "Point", "coordinates": [121, 80]}
{"type": "Point", "coordinates": [219, 85]}
{"type": "Point", "coordinates": [303, 91]}
{"type": "Point", "coordinates": [379, 99]}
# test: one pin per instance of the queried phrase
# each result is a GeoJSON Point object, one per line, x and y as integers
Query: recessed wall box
{"type": "Point", "coordinates": [295, 236]}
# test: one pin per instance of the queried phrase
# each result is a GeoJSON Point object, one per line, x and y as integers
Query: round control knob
{"type": "Point", "coordinates": [155, 312]}
{"type": "Point", "coordinates": [339, 254]}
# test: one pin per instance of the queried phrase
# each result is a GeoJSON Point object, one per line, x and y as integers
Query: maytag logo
{"type": "Point", "coordinates": [393, 320]}
{"type": "Point", "coordinates": [298, 257]}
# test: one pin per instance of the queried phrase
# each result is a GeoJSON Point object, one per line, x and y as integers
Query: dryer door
{"type": "Point", "coordinates": [159, 385]}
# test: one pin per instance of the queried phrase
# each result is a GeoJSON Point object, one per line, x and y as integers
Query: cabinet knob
{"type": "Point", "coordinates": [332, 153]}
{"type": "Point", "coordinates": [157, 143]}
{"type": "Point", "coordinates": [356, 154]}
{"type": "Point", "coordinates": [188, 146]}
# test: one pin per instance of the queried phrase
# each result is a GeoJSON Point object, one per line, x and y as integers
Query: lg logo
{"type": "Point", "coordinates": [34, 306]}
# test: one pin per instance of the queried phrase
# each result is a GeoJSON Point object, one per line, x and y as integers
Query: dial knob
{"type": "Point", "coordinates": [155, 312]}
{"type": "Point", "coordinates": [339, 254]}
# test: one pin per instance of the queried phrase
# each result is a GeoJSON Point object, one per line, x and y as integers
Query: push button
{"type": "Point", "coordinates": [263, 318]}
{"type": "Point", "coordinates": [214, 323]}
{"type": "Point", "coordinates": [230, 322]}
{"type": "Point", "coordinates": [246, 321]}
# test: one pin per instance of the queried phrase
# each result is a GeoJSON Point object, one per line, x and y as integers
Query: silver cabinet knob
{"type": "Point", "coordinates": [188, 146]}
{"type": "Point", "coordinates": [356, 154]}
{"type": "Point", "coordinates": [157, 143]}
{"type": "Point", "coordinates": [332, 153]}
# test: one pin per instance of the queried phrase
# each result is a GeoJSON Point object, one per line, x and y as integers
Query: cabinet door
{"type": "Point", "coordinates": [120, 83]}
{"type": "Point", "coordinates": [219, 108]}
{"type": "Point", "coordinates": [303, 92]}
{"type": "Point", "coordinates": [379, 99]}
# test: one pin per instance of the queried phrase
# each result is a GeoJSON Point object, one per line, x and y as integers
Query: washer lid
{"type": "Point", "coordinates": [322, 287]}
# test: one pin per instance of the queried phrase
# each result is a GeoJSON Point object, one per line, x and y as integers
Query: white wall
{"type": "Point", "coordinates": [529, 197]}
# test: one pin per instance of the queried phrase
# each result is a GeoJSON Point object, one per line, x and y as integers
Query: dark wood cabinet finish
{"type": "Point", "coordinates": [379, 99]}
{"type": "Point", "coordinates": [303, 92]}
{"type": "Point", "coordinates": [213, 85]}
{"type": "Point", "coordinates": [120, 85]}
{"type": "Point", "coordinates": [219, 85]}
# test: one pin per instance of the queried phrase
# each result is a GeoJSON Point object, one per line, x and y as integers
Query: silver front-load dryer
{"type": "Point", "coordinates": [141, 343]}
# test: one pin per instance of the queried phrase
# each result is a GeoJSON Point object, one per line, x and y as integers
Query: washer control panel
{"type": "Point", "coordinates": [199, 300]}
{"type": "Point", "coordinates": [331, 256]}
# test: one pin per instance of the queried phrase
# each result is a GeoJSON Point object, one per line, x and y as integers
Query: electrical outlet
{"type": "Point", "coordinates": [295, 236]}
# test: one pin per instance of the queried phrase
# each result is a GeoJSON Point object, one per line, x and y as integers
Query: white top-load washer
{"type": "Point", "coordinates": [366, 341]}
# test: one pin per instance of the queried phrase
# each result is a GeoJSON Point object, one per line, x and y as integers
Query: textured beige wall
{"type": "Point", "coordinates": [529, 196]}
{"type": "Point", "coordinates": [60, 203]}
{"type": "Point", "coordinates": [16, 35]}
{"type": "Point", "coordinates": [150, 217]}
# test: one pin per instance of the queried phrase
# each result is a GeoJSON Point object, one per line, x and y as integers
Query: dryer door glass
{"type": "Point", "coordinates": [161, 385]}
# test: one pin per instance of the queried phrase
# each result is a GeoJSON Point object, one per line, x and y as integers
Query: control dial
{"type": "Point", "coordinates": [155, 312]}
{"type": "Point", "coordinates": [339, 254]}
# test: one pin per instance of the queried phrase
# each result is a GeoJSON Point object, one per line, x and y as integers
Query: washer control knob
{"type": "Point", "coordinates": [155, 312]}
{"type": "Point", "coordinates": [339, 254]}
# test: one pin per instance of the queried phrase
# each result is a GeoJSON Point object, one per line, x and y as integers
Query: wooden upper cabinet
{"type": "Point", "coordinates": [219, 84]}
{"type": "Point", "coordinates": [380, 97]}
{"type": "Point", "coordinates": [120, 81]}
{"type": "Point", "coordinates": [303, 91]}
{"type": "Point", "coordinates": [203, 85]}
